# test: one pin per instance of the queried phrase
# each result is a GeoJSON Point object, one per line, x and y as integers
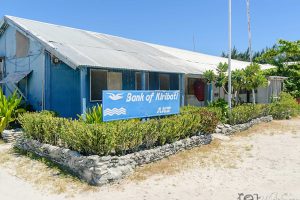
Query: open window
{"type": "Point", "coordinates": [22, 45]}
{"type": "Point", "coordinates": [196, 87]}
{"type": "Point", "coordinates": [103, 80]}
{"type": "Point", "coordinates": [138, 81]}
{"type": "Point", "coordinates": [164, 81]}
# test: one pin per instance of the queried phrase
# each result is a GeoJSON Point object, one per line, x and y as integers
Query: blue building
{"type": "Point", "coordinates": [65, 69]}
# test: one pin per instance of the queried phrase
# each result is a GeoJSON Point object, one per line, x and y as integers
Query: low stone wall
{"type": "Point", "coordinates": [227, 129]}
{"type": "Point", "coordinates": [98, 170]}
{"type": "Point", "coordinates": [11, 135]}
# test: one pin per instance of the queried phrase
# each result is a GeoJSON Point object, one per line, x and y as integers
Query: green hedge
{"type": "Point", "coordinates": [120, 137]}
{"type": "Point", "coordinates": [245, 113]}
{"type": "Point", "coordinates": [286, 106]}
{"type": "Point", "coordinates": [117, 137]}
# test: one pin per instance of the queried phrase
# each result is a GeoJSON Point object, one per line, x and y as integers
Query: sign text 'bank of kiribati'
{"type": "Point", "coordinates": [128, 104]}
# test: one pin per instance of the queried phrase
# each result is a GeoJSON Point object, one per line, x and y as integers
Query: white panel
{"type": "Point", "coordinates": [114, 81]}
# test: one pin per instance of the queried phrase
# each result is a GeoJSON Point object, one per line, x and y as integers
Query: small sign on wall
{"type": "Point", "coordinates": [128, 104]}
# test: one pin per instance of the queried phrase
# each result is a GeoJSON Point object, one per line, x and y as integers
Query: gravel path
{"type": "Point", "coordinates": [263, 161]}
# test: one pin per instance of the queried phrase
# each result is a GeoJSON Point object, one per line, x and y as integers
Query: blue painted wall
{"type": "Point", "coordinates": [62, 89]}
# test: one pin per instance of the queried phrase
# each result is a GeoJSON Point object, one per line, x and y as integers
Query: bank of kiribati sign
{"type": "Point", "coordinates": [128, 104]}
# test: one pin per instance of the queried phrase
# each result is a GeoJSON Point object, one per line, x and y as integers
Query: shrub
{"type": "Point", "coordinates": [222, 105]}
{"type": "Point", "coordinates": [208, 121]}
{"type": "Point", "coordinates": [194, 110]}
{"type": "Point", "coordinates": [117, 137]}
{"type": "Point", "coordinates": [245, 113]}
{"type": "Point", "coordinates": [9, 109]}
{"type": "Point", "coordinates": [93, 115]}
{"type": "Point", "coordinates": [284, 107]}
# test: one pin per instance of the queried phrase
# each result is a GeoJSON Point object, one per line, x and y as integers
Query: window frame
{"type": "Point", "coordinates": [147, 80]}
{"type": "Point", "coordinates": [168, 82]}
{"type": "Point", "coordinates": [189, 85]}
{"type": "Point", "coordinates": [18, 35]}
{"type": "Point", "coordinates": [107, 81]}
{"type": "Point", "coordinates": [106, 71]}
{"type": "Point", "coordinates": [109, 76]}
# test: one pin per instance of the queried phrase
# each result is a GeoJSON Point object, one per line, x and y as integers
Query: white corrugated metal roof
{"type": "Point", "coordinates": [85, 48]}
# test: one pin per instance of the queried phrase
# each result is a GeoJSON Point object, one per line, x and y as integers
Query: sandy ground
{"type": "Point", "coordinates": [263, 161]}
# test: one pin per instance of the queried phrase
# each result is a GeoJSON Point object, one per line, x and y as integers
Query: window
{"type": "Point", "coordinates": [196, 87]}
{"type": "Point", "coordinates": [164, 82]}
{"type": "Point", "coordinates": [98, 84]}
{"type": "Point", "coordinates": [114, 81]}
{"type": "Point", "coordinates": [138, 81]}
{"type": "Point", "coordinates": [22, 45]}
{"type": "Point", "coordinates": [102, 80]}
{"type": "Point", "coordinates": [191, 82]}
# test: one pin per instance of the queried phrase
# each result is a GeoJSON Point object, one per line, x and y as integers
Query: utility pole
{"type": "Point", "coordinates": [229, 55]}
{"type": "Point", "coordinates": [249, 30]}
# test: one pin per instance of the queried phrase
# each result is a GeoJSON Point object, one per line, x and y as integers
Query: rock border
{"type": "Point", "coordinates": [228, 129]}
{"type": "Point", "coordinates": [11, 135]}
{"type": "Point", "coordinates": [99, 170]}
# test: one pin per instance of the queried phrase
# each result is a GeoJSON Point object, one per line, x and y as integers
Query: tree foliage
{"type": "Point", "coordinates": [250, 78]}
{"type": "Point", "coordinates": [209, 76]}
{"type": "Point", "coordinates": [254, 78]}
{"type": "Point", "coordinates": [244, 55]}
{"type": "Point", "coordinates": [221, 77]}
{"type": "Point", "coordinates": [286, 57]}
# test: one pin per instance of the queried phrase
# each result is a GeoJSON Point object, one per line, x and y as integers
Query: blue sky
{"type": "Point", "coordinates": [170, 22]}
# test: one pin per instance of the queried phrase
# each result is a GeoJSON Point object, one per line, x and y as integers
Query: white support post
{"type": "Point", "coordinates": [83, 80]}
{"type": "Point", "coordinates": [182, 88]}
{"type": "Point", "coordinates": [143, 80]}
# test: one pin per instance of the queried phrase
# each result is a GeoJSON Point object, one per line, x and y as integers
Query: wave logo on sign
{"type": "Point", "coordinates": [114, 111]}
{"type": "Point", "coordinates": [115, 97]}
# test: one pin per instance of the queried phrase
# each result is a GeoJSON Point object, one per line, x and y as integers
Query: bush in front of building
{"type": "Point", "coordinates": [117, 137]}
{"type": "Point", "coordinates": [285, 107]}
{"type": "Point", "coordinates": [93, 115]}
{"type": "Point", "coordinates": [9, 109]}
{"type": "Point", "coordinates": [246, 112]}
{"type": "Point", "coordinates": [222, 105]}
{"type": "Point", "coordinates": [196, 109]}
